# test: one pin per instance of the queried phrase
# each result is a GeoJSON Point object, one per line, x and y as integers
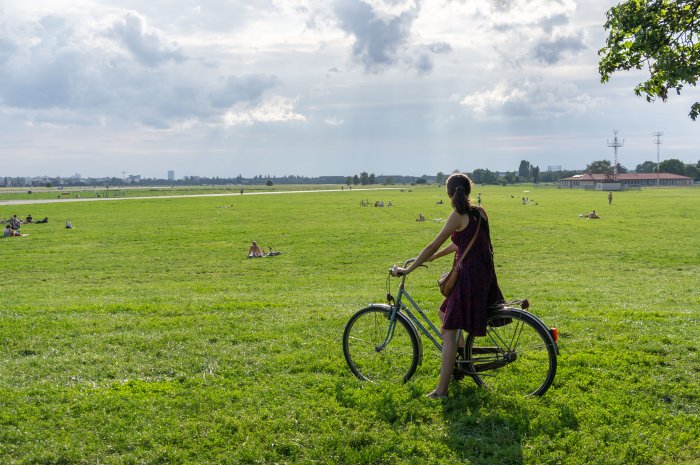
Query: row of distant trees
{"type": "Point", "coordinates": [529, 173]}
{"type": "Point", "coordinates": [672, 165]}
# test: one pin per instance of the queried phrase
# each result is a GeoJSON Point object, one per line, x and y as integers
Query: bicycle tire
{"type": "Point", "coordinates": [366, 331]}
{"type": "Point", "coordinates": [517, 355]}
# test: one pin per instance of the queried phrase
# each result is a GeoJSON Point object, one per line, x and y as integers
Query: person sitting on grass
{"type": "Point", "coordinates": [255, 251]}
{"type": "Point", "coordinates": [420, 217]}
{"type": "Point", "coordinates": [8, 232]}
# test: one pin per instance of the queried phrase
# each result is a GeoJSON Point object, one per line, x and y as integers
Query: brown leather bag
{"type": "Point", "coordinates": [448, 281]}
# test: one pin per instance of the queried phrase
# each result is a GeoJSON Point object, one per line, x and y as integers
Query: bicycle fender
{"type": "Point", "coordinates": [536, 321]}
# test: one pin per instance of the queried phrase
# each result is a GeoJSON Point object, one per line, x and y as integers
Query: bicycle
{"type": "Point", "coordinates": [382, 342]}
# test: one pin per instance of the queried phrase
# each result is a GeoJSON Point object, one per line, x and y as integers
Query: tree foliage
{"type": "Point", "coordinates": [673, 165]}
{"type": "Point", "coordinates": [646, 167]}
{"type": "Point", "coordinates": [600, 167]}
{"type": "Point", "coordinates": [662, 36]}
{"type": "Point", "coordinates": [524, 170]}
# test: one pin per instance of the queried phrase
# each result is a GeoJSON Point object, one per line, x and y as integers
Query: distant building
{"type": "Point", "coordinates": [605, 182]}
{"type": "Point", "coordinates": [171, 175]}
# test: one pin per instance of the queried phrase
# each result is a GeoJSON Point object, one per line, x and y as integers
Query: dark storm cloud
{"type": "Point", "coordinates": [378, 40]}
{"type": "Point", "coordinates": [145, 46]}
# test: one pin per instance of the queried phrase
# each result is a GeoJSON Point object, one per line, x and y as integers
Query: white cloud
{"type": "Point", "coordinates": [528, 98]}
{"type": "Point", "coordinates": [333, 121]}
{"type": "Point", "coordinates": [144, 43]}
{"type": "Point", "coordinates": [274, 109]}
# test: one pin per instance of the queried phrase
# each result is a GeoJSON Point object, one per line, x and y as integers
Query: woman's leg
{"type": "Point", "coordinates": [449, 354]}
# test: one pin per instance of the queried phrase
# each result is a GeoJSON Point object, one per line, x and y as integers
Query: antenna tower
{"type": "Point", "coordinates": [615, 144]}
{"type": "Point", "coordinates": [658, 135]}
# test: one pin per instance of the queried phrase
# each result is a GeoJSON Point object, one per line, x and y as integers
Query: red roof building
{"type": "Point", "coordinates": [625, 181]}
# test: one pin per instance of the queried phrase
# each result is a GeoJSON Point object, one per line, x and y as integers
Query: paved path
{"type": "Point", "coordinates": [104, 199]}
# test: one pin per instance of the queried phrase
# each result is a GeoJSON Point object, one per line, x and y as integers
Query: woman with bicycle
{"type": "Point", "coordinates": [477, 286]}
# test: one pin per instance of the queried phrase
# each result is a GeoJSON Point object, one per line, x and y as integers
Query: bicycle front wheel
{"type": "Point", "coordinates": [517, 355]}
{"type": "Point", "coordinates": [378, 349]}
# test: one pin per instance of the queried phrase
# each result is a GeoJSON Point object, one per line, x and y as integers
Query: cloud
{"type": "Point", "coordinates": [528, 98]}
{"type": "Point", "coordinates": [132, 32]}
{"type": "Point", "coordinates": [274, 109]}
{"type": "Point", "coordinates": [333, 121]}
{"type": "Point", "coordinates": [550, 50]}
{"type": "Point", "coordinates": [379, 38]}
{"type": "Point", "coordinates": [67, 72]}
{"type": "Point", "coordinates": [239, 89]}
{"type": "Point", "coordinates": [440, 47]}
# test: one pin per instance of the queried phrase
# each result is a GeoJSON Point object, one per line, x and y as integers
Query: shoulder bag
{"type": "Point", "coordinates": [448, 280]}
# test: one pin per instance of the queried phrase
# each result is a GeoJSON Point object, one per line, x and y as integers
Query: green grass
{"type": "Point", "coordinates": [145, 336]}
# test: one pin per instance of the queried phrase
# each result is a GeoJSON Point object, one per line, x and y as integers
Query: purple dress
{"type": "Point", "coordinates": [477, 287]}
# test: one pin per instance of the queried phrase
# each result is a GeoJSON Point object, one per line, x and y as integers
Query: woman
{"type": "Point", "coordinates": [255, 251]}
{"type": "Point", "coordinates": [477, 287]}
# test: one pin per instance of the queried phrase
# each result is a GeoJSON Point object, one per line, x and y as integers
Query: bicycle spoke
{"type": "Point", "coordinates": [525, 361]}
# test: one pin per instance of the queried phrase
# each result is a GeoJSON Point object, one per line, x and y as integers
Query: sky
{"type": "Point", "coordinates": [319, 88]}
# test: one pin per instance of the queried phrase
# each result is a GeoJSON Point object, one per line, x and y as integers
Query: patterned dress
{"type": "Point", "coordinates": [477, 287]}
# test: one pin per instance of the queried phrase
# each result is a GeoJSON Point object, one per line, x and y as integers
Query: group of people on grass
{"type": "Point", "coordinates": [14, 224]}
{"type": "Point", "coordinates": [378, 203]}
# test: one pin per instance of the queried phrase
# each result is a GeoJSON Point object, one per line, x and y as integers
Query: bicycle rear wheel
{"type": "Point", "coordinates": [517, 355]}
{"type": "Point", "coordinates": [377, 349]}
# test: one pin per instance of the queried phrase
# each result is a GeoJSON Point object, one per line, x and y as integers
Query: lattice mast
{"type": "Point", "coordinates": [615, 144]}
{"type": "Point", "coordinates": [658, 135]}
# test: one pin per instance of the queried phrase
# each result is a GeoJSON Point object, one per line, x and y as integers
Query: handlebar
{"type": "Point", "coordinates": [405, 265]}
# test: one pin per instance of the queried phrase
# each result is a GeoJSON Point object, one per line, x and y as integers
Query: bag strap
{"type": "Point", "coordinates": [471, 243]}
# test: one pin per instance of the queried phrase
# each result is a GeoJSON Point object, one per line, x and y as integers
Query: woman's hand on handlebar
{"type": "Point", "coordinates": [397, 271]}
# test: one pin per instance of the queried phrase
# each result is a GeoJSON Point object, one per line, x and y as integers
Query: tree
{"type": "Point", "coordinates": [440, 177]}
{"type": "Point", "coordinates": [348, 180]}
{"type": "Point", "coordinates": [364, 178]}
{"type": "Point", "coordinates": [672, 165]}
{"type": "Point", "coordinates": [524, 170]}
{"type": "Point", "coordinates": [483, 176]}
{"type": "Point", "coordinates": [371, 178]}
{"type": "Point", "coordinates": [389, 180]}
{"type": "Point", "coordinates": [646, 167]}
{"type": "Point", "coordinates": [511, 177]}
{"type": "Point", "coordinates": [600, 167]}
{"type": "Point", "coordinates": [355, 180]}
{"type": "Point", "coordinates": [535, 173]}
{"type": "Point", "coordinates": [421, 181]}
{"type": "Point", "coordinates": [269, 183]}
{"type": "Point", "coordinates": [660, 35]}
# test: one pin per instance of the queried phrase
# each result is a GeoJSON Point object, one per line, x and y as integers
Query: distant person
{"type": "Point", "coordinates": [15, 223]}
{"type": "Point", "coordinates": [420, 218]}
{"type": "Point", "coordinates": [440, 202]}
{"type": "Point", "coordinates": [45, 220]}
{"type": "Point", "coordinates": [8, 232]}
{"type": "Point", "coordinates": [69, 225]}
{"type": "Point", "coordinates": [592, 215]}
{"type": "Point", "coordinates": [478, 200]}
{"type": "Point", "coordinates": [609, 198]}
{"type": "Point", "coordinates": [29, 219]}
{"type": "Point", "coordinates": [255, 251]}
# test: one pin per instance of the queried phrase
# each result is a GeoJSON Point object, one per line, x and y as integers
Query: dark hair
{"type": "Point", "coordinates": [459, 186]}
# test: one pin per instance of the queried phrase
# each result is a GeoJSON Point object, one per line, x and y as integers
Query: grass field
{"type": "Point", "coordinates": [144, 335]}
